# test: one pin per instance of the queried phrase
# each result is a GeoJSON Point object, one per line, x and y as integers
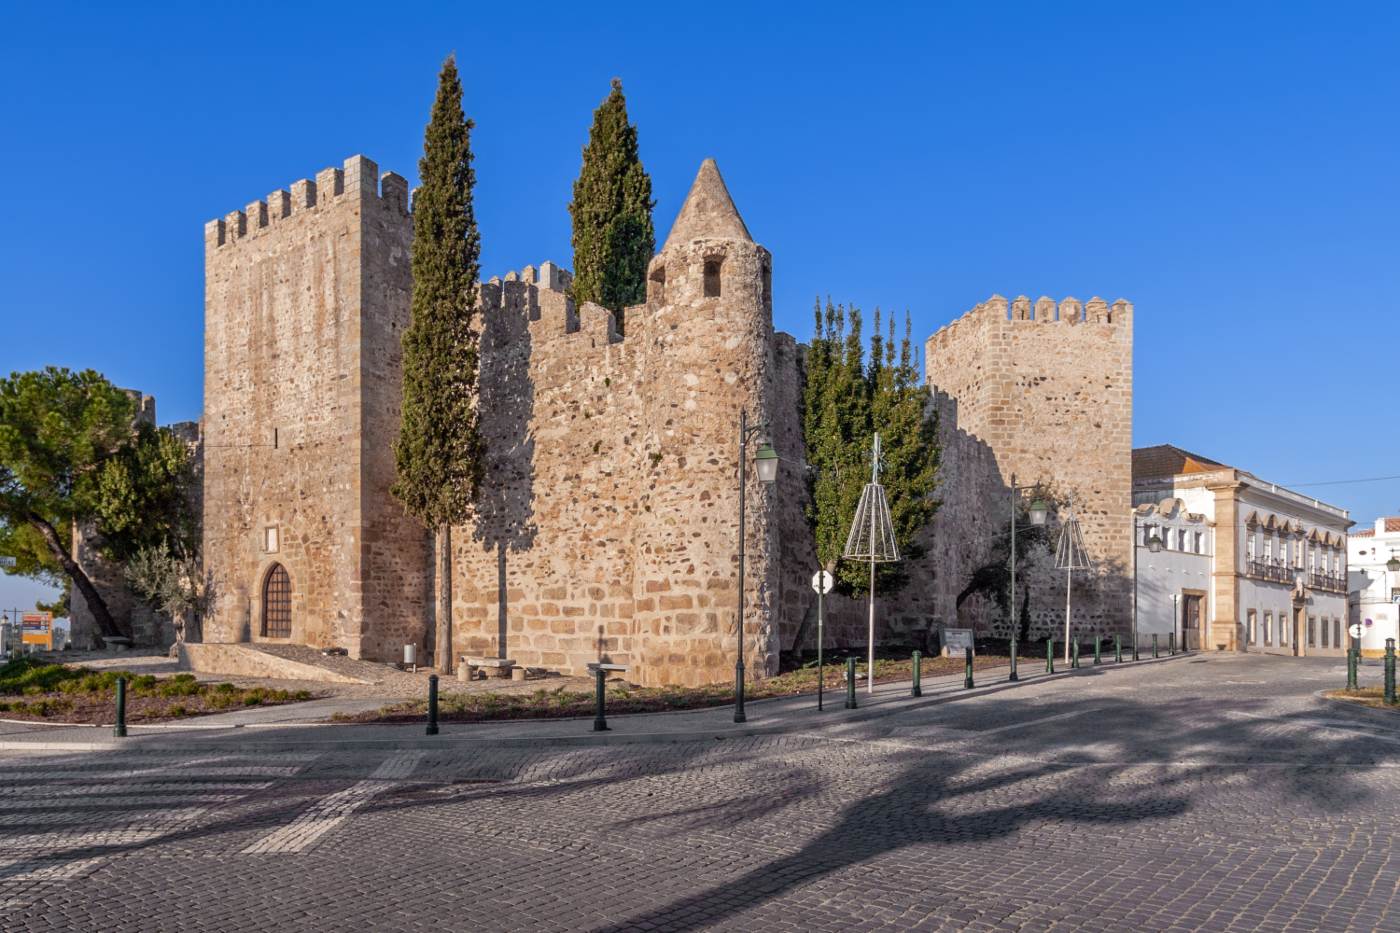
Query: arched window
{"type": "Point", "coordinates": [277, 603]}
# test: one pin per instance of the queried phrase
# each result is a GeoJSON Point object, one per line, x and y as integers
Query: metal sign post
{"type": "Point", "coordinates": [822, 582]}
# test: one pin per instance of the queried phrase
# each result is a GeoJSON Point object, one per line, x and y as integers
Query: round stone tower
{"type": "Point", "coordinates": [707, 354]}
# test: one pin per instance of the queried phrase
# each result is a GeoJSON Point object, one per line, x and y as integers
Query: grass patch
{"type": "Point", "coordinates": [41, 690]}
{"type": "Point", "coordinates": [1366, 696]}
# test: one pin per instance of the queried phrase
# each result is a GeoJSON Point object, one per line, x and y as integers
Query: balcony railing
{"type": "Point", "coordinates": [1331, 582]}
{"type": "Point", "coordinates": [1274, 570]}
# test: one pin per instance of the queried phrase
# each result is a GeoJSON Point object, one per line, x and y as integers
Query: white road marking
{"type": "Point", "coordinates": [329, 812]}
{"type": "Point", "coordinates": [1033, 722]}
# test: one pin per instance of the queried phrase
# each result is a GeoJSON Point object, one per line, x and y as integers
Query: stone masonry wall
{"type": "Point", "coordinates": [1046, 390]}
{"type": "Point", "coordinates": [608, 515]}
{"type": "Point", "coordinates": [305, 295]}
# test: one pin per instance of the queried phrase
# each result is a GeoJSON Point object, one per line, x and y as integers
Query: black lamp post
{"type": "Point", "coordinates": [766, 465]}
{"type": "Point", "coordinates": [1037, 513]}
{"type": "Point", "coordinates": [1154, 544]}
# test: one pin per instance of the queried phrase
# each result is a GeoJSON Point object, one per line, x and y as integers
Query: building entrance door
{"type": "Point", "coordinates": [1297, 632]}
{"type": "Point", "coordinates": [1191, 623]}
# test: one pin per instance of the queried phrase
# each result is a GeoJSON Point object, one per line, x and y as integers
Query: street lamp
{"type": "Point", "coordinates": [1037, 513]}
{"type": "Point", "coordinates": [1393, 564]}
{"type": "Point", "coordinates": [1154, 544]}
{"type": "Point", "coordinates": [766, 463]}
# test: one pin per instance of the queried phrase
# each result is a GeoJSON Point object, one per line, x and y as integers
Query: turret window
{"type": "Point", "coordinates": [712, 277]}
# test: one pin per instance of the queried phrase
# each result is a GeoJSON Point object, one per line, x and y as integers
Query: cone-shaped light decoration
{"type": "Point", "coordinates": [872, 540]}
{"type": "Point", "coordinates": [1071, 555]}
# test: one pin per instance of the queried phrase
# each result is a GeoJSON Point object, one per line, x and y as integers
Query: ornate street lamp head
{"type": "Point", "coordinates": [766, 462]}
{"type": "Point", "coordinates": [1393, 564]}
{"type": "Point", "coordinates": [1038, 511]}
{"type": "Point", "coordinates": [1154, 544]}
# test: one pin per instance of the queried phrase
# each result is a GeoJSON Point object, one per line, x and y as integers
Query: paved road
{"type": "Point", "coordinates": [1203, 793]}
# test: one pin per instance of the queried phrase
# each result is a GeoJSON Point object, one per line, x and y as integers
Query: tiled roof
{"type": "Point", "coordinates": [1368, 533]}
{"type": "Point", "coordinates": [1167, 460]}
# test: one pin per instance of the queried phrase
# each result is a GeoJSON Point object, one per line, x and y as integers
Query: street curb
{"type": "Point", "coordinates": [461, 739]}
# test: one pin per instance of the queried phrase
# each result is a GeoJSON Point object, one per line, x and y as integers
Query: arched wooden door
{"type": "Point", "coordinates": [277, 603]}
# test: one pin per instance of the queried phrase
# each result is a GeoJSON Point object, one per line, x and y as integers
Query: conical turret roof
{"type": "Point", "coordinates": [708, 211]}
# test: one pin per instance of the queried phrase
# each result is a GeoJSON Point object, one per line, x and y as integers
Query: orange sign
{"type": "Point", "coordinates": [36, 628]}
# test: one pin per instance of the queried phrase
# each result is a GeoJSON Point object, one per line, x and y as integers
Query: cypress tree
{"type": "Point", "coordinates": [439, 451]}
{"type": "Point", "coordinates": [613, 237]}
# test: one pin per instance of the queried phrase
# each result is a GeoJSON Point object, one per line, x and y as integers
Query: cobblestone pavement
{"type": "Point", "coordinates": [1208, 793]}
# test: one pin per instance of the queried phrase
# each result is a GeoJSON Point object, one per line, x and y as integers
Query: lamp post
{"type": "Point", "coordinates": [1036, 513]}
{"type": "Point", "coordinates": [766, 465]}
{"type": "Point", "coordinates": [1154, 544]}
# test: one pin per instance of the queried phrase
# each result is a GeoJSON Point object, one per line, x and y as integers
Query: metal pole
{"type": "Point", "coordinates": [1049, 655]}
{"type": "Point", "coordinates": [870, 648]}
{"type": "Point", "coordinates": [1135, 584]}
{"type": "Point", "coordinates": [850, 682]}
{"type": "Point", "coordinates": [1351, 668]}
{"type": "Point", "coordinates": [1154, 645]}
{"type": "Point", "coordinates": [1069, 580]}
{"type": "Point", "coordinates": [1097, 658]}
{"type": "Point", "coordinates": [432, 704]}
{"type": "Point", "coordinates": [600, 719]}
{"type": "Point", "coordinates": [821, 671]}
{"type": "Point", "coordinates": [1013, 658]}
{"type": "Point", "coordinates": [917, 689]}
{"type": "Point", "coordinates": [1390, 671]}
{"type": "Point", "coordinates": [967, 668]}
{"type": "Point", "coordinates": [120, 729]}
{"type": "Point", "coordinates": [739, 662]}
{"type": "Point", "coordinates": [1013, 572]}
{"type": "Point", "coordinates": [1117, 648]}
{"type": "Point", "coordinates": [1075, 653]}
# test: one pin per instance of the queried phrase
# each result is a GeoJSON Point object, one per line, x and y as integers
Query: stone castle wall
{"type": "Point", "coordinates": [1043, 392]}
{"type": "Point", "coordinates": [305, 296]}
{"type": "Point", "coordinates": [607, 523]}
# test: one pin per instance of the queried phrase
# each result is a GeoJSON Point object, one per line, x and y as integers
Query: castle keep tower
{"type": "Point", "coordinates": [1044, 392]}
{"type": "Point", "coordinates": [306, 295]}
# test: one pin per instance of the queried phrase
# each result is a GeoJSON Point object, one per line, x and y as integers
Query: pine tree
{"type": "Point", "coordinates": [439, 451]}
{"type": "Point", "coordinates": [613, 237]}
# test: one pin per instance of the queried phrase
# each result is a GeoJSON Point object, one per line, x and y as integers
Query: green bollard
{"type": "Point", "coordinates": [1171, 644]}
{"type": "Point", "coordinates": [1390, 671]}
{"type": "Point", "coordinates": [432, 704]}
{"type": "Point", "coordinates": [1154, 646]}
{"type": "Point", "coordinates": [1097, 658]}
{"type": "Point", "coordinates": [1013, 676]}
{"type": "Point", "coordinates": [1117, 649]}
{"type": "Point", "coordinates": [967, 669]}
{"type": "Point", "coordinates": [1050, 656]}
{"type": "Point", "coordinates": [1351, 668]}
{"type": "Point", "coordinates": [119, 730]}
{"type": "Point", "coordinates": [850, 683]}
{"type": "Point", "coordinates": [600, 719]}
{"type": "Point", "coordinates": [1074, 654]}
{"type": "Point", "coordinates": [1135, 646]}
{"type": "Point", "coordinates": [917, 690]}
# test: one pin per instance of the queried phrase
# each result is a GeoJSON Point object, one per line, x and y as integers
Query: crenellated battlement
{"type": "Point", "coordinates": [356, 179]}
{"type": "Point", "coordinates": [554, 316]}
{"type": "Point", "coordinates": [1044, 310]}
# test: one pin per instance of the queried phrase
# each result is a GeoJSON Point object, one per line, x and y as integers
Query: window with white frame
{"type": "Point", "coordinates": [1268, 628]}
{"type": "Point", "coordinates": [1181, 539]}
{"type": "Point", "coordinates": [1200, 542]}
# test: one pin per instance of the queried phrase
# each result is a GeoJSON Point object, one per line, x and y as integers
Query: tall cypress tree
{"type": "Point", "coordinates": [439, 451]}
{"type": "Point", "coordinates": [613, 236]}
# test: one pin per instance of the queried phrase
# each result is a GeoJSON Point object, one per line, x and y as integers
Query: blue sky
{"type": "Point", "coordinates": [1229, 168]}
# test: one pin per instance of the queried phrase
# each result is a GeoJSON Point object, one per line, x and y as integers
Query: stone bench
{"type": "Point", "coordinates": [501, 668]}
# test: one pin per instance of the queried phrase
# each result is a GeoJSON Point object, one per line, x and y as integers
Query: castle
{"type": "Point", "coordinates": [607, 521]}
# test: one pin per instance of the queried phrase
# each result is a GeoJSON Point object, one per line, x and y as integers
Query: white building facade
{"type": "Point", "coordinates": [1174, 554]}
{"type": "Point", "coordinates": [1278, 578]}
{"type": "Point", "coordinates": [1375, 588]}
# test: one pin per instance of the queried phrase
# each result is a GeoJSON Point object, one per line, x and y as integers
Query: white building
{"type": "Point", "coordinates": [1375, 588]}
{"type": "Point", "coordinates": [1174, 554]}
{"type": "Point", "coordinates": [1278, 561]}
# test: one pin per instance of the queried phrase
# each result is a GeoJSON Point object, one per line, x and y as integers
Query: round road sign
{"type": "Point", "coordinates": [1355, 630]}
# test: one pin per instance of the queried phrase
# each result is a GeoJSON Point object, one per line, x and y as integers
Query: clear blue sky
{"type": "Point", "coordinates": [1232, 169]}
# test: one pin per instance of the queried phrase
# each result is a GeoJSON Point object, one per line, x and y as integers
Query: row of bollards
{"type": "Point", "coordinates": [1390, 671]}
{"type": "Point", "coordinates": [600, 722]}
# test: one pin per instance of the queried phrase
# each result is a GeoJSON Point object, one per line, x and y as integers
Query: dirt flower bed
{"type": "Point", "coordinates": [44, 692]}
{"type": "Point", "coordinates": [561, 702]}
{"type": "Point", "coordinates": [1366, 696]}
